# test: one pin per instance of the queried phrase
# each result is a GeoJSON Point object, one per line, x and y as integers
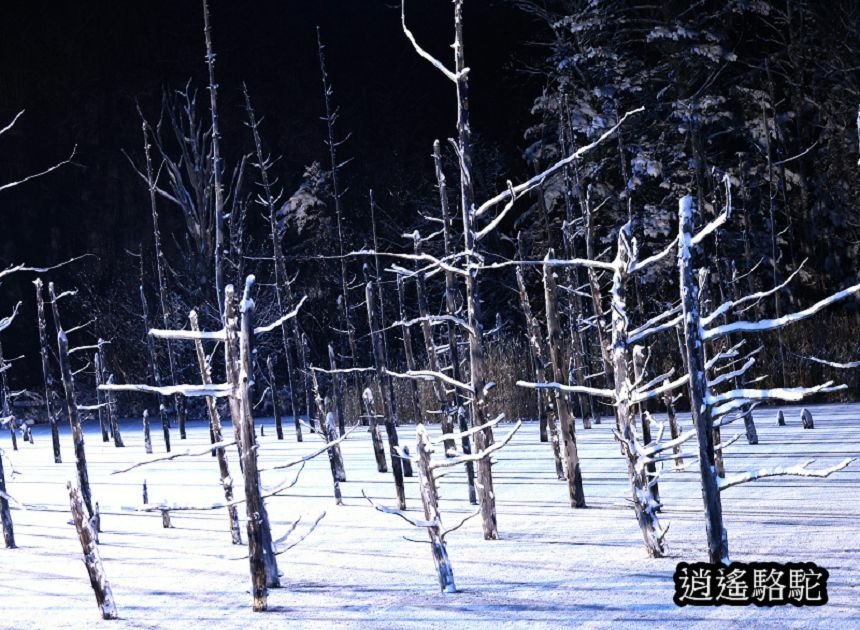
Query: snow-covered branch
{"type": "Point", "coordinates": [727, 306]}
{"type": "Point", "coordinates": [185, 453]}
{"type": "Point", "coordinates": [188, 335]}
{"type": "Point", "coordinates": [779, 322]}
{"type": "Point", "coordinates": [788, 394]}
{"type": "Point", "coordinates": [799, 470]}
{"type": "Point", "coordinates": [573, 389]}
{"type": "Point", "coordinates": [277, 323]}
{"type": "Point", "coordinates": [451, 76]}
{"type": "Point", "coordinates": [540, 178]}
{"type": "Point", "coordinates": [474, 457]}
{"type": "Point", "coordinates": [429, 375]}
{"type": "Point", "coordinates": [40, 173]}
{"type": "Point", "coordinates": [415, 522]}
{"type": "Point", "coordinates": [22, 267]}
{"type": "Point", "coordinates": [216, 390]}
{"type": "Point", "coordinates": [310, 456]}
{"type": "Point", "coordinates": [461, 434]}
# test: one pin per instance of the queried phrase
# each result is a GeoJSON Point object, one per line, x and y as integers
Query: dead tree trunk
{"type": "Point", "coordinates": [92, 558]}
{"type": "Point", "coordinates": [100, 395]}
{"type": "Point", "coordinates": [718, 546]}
{"type": "Point", "coordinates": [543, 425]}
{"type": "Point", "coordinates": [263, 565]}
{"type": "Point", "coordinates": [534, 335]}
{"type": "Point", "coordinates": [406, 335]}
{"type": "Point", "coordinates": [483, 438]}
{"type": "Point", "coordinates": [215, 424]}
{"type": "Point", "coordinates": [673, 427]}
{"type": "Point", "coordinates": [337, 473]}
{"type": "Point", "coordinates": [385, 391]}
{"type": "Point", "coordinates": [273, 392]}
{"type": "Point", "coordinates": [110, 402]}
{"type": "Point", "coordinates": [430, 500]}
{"type": "Point", "coordinates": [453, 311]}
{"type": "Point", "coordinates": [47, 377]}
{"type": "Point", "coordinates": [375, 438]}
{"type": "Point", "coordinates": [160, 264]}
{"type": "Point", "coordinates": [147, 438]}
{"type": "Point", "coordinates": [430, 349]}
{"type": "Point", "coordinates": [4, 401]}
{"type": "Point", "coordinates": [643, 503]}
{"type": "Point", "coordinates": [282, 281]}
{"type": "Point", "coordinates": [639, 360]}
{"type": "Point", "coordinates": [5, 514]}
{"type": "Point", "coordinates": [217, 168]}
{"type": "Point", "coordinates": [72, 407]}
{"type": "Point", "coordinates": [308, 383]}
{"type": "Point", "coordinates": [571, 454]}
{"type": "Point", "coordinates": [331, 115]}
{"type": "Point", "coordinates": [337, 393]}
{"type": "Point", "coordinates": [153, 367]}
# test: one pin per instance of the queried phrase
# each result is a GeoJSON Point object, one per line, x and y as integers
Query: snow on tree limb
{"type": "Point", "coordinates": [474, 457]}
{"type": "Point", "coordinates": [436, 320]}
{"type": "Point", "coordinates": [40, 173]}
{"type": "Point", "coordinates": [415, 522]}
{"type": "Point", "coordinates": [451, 76]}
{"type": "Point", "coordinates": [799, 470]}
{"type": "Point", "coordinates": [186, 453]}
{"type": "Point", "coordinates": [259, 330]}
{"type": "Point", "coordinates": [310, 456]}
{"type": "Point", "coordinates": [727, 306]}
{"type": "Point", "coordinates": [7, 321]}
{"type": "Point", "coordinates": [573, 389]}
{"type": "Point", "coordinates": [540, 178]}
{"type": "Point", "coordinates": [188, 335]}
{"type": "Point", "coordinates": [722, 378]}
{"type": "Point", "coordinates": [429, 375]}
{"type": "Point", "coordinates": [779, 322]}
{"type": "Point", "coordinates": [22, 267]}
{"type": "Point", "coordinates": [12, 124]}
{"type": "Point", "coordinates": [469, 432]}
{"type": "Point", "coordinates": [217, 390]}
{"type": "Point", "coordinates": [643, 395]}
{"type": "Point", "coordinates": [841, 366]}
{"type": "Point", "coordinates": [639, 265]}
{"type": "Point", "coordinates": [788, 394]}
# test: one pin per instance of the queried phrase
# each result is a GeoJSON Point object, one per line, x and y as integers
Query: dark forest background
{"type": "Point", "coordinates": [765, 93]}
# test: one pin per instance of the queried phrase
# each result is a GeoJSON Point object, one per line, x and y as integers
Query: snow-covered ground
{"type": "Point", "coordinates": [553, 567]}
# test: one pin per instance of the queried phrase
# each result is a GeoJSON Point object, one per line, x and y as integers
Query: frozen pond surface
{"type": "Point", "coordinates": [554, 566]}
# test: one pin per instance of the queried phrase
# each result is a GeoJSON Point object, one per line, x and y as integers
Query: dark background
{"type": "Point", "coordinates": [79, 69]}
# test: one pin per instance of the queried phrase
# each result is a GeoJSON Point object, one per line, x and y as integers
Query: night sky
{"type": "Point", "coordinates": [78, 68]}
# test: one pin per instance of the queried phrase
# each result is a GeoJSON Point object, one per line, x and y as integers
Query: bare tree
{"type": "Point", "coordinates": [429, 472]}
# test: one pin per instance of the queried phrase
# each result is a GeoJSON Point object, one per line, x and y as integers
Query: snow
{"type": "Point", "coordinates": [553, 566]}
